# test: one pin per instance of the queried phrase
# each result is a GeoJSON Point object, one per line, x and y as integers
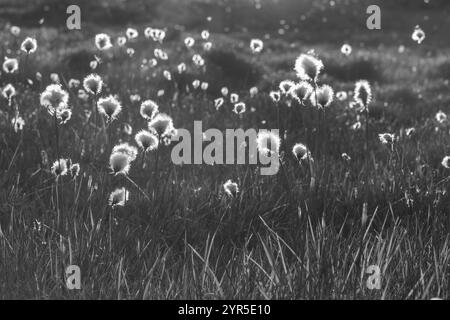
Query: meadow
{"type": "Point", "coordinates": [367, 186]}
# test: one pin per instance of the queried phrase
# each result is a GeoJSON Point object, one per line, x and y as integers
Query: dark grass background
{"type": "Point", "coordinates": [191, 241]}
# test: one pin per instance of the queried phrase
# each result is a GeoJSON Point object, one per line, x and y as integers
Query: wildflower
{"type": "Point", "coordinates": [301, 152]}
{"type": "Point", "coordinates": [118, 197]}
{"type": "Point", "coordinates": [127, 128]}
{"type": "Point", "coordinates": [418, 35]}
{"type": "Point", "coordinates": [121, 41]}
{"type": "Point", "coordinates": [234, 98]}
{"type": "Point", "coordinates": [93, 84]}
{"type": "Point", "coordinates": [325, 96]}
{"type": "Point", "coordinates": [130, 52]}
{"type": "Point", "coordinates": [196, 84]}
{"type": "Point", "coordinates": [189, 42]}
{"type": "Point", "coordinates": [363, 93]}
{"type": "Point", "coordinates": [207, 46]}
{"type": "Point", "coordinates": [231, 188]}
{"type": "Point", "coordinates": [149, 109]}
{"type": "Point", "coordinates": [253, 92]}
{"type": "Point", "coordinates": [181, 67]}
{"type": "Point", "coordinates": [74, 83]}
{"type": "Point", "coordinates": [204, 86]}
{"type": "Point", "coordinates": [83, 95]}
{"type": "Point", "coordinates": [161, 124]}
{"type": "Point", "coordinates": [15, 30]}
{"type": "Point", "coordinates": [239, 108]}
{"type": "Point", "coordinates": [59, 168]}
{"type": "Point", "coordinates": [103, 41]}
{"type": "Point", "coordinates": [300, 91]}
{"type": "Point", "coordinates": [10, 65]}
{"type": "Point", "coordinates": [346, 157]}
{"type": "Point", "coordinates": [9, 91]}
{"type": "Point", "coordinates": [308, 67]}
{"type": "Point", "coordinates": [268, 142]}
{"type": "Point", "coordinates": [156, 34]}
{"type": "Point", "coordinates": [446, 162]}
{"type": "Point", "coordinates": [18, 123]}
{"type": "Point", "coordinates": [74, 170]}
{"type": "Point", "coordinates": [198, 60]}
{"type": "Point", "coordinates": [205, 34]}
{"type": "Point", "coordinates": [29, 45]}
{"type": "Point", "coordinates": [218, 102]}
{"type": "Point", "coordinates": [341, 95]}
{"type": "Point", "coordinates": [387, 138]}
{"type": "Point", "coordinates": [275, 96]}
{"type": "Point", "coordinates": [110, 107]}
{"type": "Point", "coordinates": [131, 33]}
{"type": "Point", "coordinates": [135, 98]}
{"type": "Point", "coordinates": [346, 49]}
{"type": "Point", "coordinates": [441, 117]}
{"type": "Point", "coordinates": [127, 149]}
{"type": "Point", "coordinates": [54, 97]}
{"type": "Point", "coordinates": [256, 45]}
{"type": "Point", "coordinates": [356, 126]}
{"type": "Point", "coordinates": [119, 163]}
{"type": "Point", "coordinates": [146, 140]}
{"type": "Point", "coordinates": [410, 131]}
{"type": "Point", "coordinates": [93, 64]}
{"type": "Point", "coordinates": [286, 85]}
{"type": "Point", "coordinates": [64, 115]}
{"type": "Point", "coordinates": [167, 75]}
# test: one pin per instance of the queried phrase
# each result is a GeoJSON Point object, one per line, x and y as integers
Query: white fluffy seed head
{"type": "Point", "coordinates": [149, 109]}
{"type": "Point", "coordinates": [308, 67]}
{"type": "Point", "coordinates": [147, 141]}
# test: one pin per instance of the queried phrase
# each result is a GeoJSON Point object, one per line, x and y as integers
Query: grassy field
{"type": "Point", "coordinates": [179, 235]}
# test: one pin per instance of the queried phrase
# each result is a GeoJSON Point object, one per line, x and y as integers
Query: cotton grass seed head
{"type": "Point", "coordinates": [103, 41]}
{"type": "Point", "coordinates": [9, 91]}
{"type": "Point", "coordinates": [441, 117]}
{"type": "Point", "coordinates": [127, 149]}
{"type": "Point", "coordinates": [118, 198]}
{"type": "Point", "coordinates": [54, 97]}
{"type": "Point", "coordinates": [346, 49]}
{"type": "Point", "coordinates": [325, 95]}
{"type": "Point", "coordinates": [10, 65]}
{"type": "Point", "coordinates": [256, 45]}
{"type": "Point", "coordinates": [64, 115]}
{"type": "Point", "coordinates": [161, 124]}
{"type": "Point", "coordinates": [29, 45]}
{"type": "Point", "coordinates": [231, 188]}
{"type": "Point", "coordinates": [59, 168]}
{"type": "Point", "coordinates": [239, 108]}
{"type": "Point", "coordinates": [119, 163]}
{"type": "Point", "coordinates": [18, 123]}
{"type": "Point", "coordinates": [386, 138]}
{"type": "Point", "coordinates": [301, 91]}
{"type": "Point", "coordinates": [149, 109]}
{"type": "Point", "coordinates": [286, 85]}
{"type": "Point", "coordinates": [268, 142]}
{"type": "Point", "coordinates": [93, 84]}
{"type": "Point", "coordinates": [275, 96]}
{"type": "Point", "coordinates": [110, 107]}
{"type": "Point", "coordinates": [363, 93]}
{"type": "Point", "coordinates": [74, 170]}
{"type": "Point", "coordinates": [131, 33]}
{"type": "Point", "coordinates": [418, 35]}
{"type": "Point", "coordinates": [308, 67]}
{"type": "Point", "coordinates": [301, 152]}
{"type": "Point", "coordinates": [146, 141]}
{"type": "Point", "coordinates": [446, 162]}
